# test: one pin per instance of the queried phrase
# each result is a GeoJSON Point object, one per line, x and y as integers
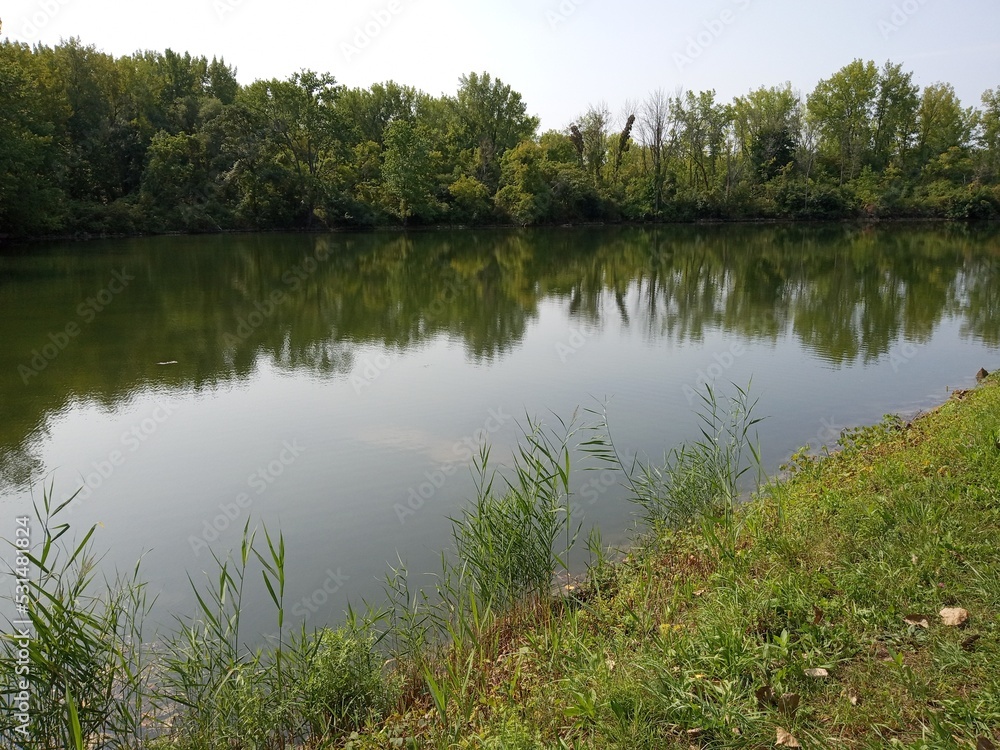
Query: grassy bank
{"type": "Point", "coordinates": [711, 635]}
{"type": "Point", "coordinates": [810, 617]}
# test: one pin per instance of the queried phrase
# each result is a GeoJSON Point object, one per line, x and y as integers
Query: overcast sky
{"type": "Point", "coordinates": [560, 54]}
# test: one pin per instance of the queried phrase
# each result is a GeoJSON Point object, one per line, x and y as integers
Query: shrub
{"type": "Point", "coordinates": [343, 685]}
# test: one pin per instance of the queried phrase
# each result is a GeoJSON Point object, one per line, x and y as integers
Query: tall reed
{"type": "Point", "coordinates": [507, 541]}
{"type": "Point", "coordinates": [86, 665]}
{"type": "Point", "coordinates": [701, 479]}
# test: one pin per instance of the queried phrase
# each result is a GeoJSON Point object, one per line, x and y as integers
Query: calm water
{"type": "Point", "coordinates": [337, 386]}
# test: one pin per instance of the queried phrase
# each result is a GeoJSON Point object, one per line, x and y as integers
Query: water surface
{"type": "Point", "coordinates": [337, 386]}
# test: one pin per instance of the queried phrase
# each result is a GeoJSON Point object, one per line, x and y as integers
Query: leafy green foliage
{"type": "Point", "coordinates": [167, 141]}
{"type": "Point", "coordinates": [30, 202]}
{"type": "Point", "coordinates": [408, 173]}
{"type": "Point", "coordinates": [490, 118]}
{"type": "Point", "coordinates": [506, 541]}
{"type": "Point", "coordinates": [342, 685]}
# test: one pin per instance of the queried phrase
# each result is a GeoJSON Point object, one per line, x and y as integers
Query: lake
{"type": "Point", "coordinates": [338, 386]}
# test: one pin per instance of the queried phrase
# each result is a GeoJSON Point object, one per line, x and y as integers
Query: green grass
{"type": "Point", "coordinates": [706, 634]}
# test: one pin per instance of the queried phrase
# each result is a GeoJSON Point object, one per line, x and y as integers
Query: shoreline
{"type": "Point", "coordinates": [676, 564]}
{"type": "Point", "coordinates": [8, 242]}
{"type": "Point", "coordinates": [818, 610]}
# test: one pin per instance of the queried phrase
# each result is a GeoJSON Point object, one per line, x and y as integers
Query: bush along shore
{"type": "Point", "coordinates": [852, 603]}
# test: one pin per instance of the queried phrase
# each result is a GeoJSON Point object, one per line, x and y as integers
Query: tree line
{"type": "Point", "coordinates": [156, 142]}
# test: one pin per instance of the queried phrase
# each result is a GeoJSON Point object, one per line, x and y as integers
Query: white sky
{"type": "Point", "coordinates": [560, 54]}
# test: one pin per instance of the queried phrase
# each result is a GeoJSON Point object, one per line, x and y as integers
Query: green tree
{"type": "Point", "coordinates": [31, 201]}
{"type": "Point", "coordinates": [470, 200]}
{"type": "Point", "coordinates": [179, 189]}
{"type": "Point", "coordinates": [942, 123]}
{"type": "Point", "coordinates": [658, 142]}
{"type": "Point", "coordinates": [92, 91]}
{"type": "Point", "coordinates": [622, 145]}
{"type": "Point", "coordinates": [408, 172]}
{"type": "Point", "coordinates": [544, 182]}
{"type": "Point", "coordinates": [221, 81]}
{"type": "Point", "coordinates": [490, 119]}
{"type": "Point", "coordinates": [160, 141]}
{"type": "Point", "coordinates": [766, 124]}
{"type": "Point", "coordinates": [703, 127]}
{"type": "Point", "coordinates": [894, 116]}
{"type": "Point", "coordinates": [525, 194]}
{"type": "Point", "coordinates": [593, 133]}
{"type": "Point", "coordinates": [369, 112]}
{"type": "Point", "coordinates": [299, 121]}
{"type": "Point", "coordinates": [842, 107]}
{"type": "Point", "coordinates": [989, 137]}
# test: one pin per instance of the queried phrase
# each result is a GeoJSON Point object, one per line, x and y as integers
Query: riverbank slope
{"type": "Point", "coordinates": [855, 604]}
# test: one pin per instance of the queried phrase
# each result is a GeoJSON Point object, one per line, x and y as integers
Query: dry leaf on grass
{"type": "Point", "coordinates": [985, 743]}
{"type": "Point", "coordinates": [765, 696]}
{"type": "Point", "coordinates": [969, 644]}
{"type": "Point", "coordinates": [817, 615]}
{"type": "Point", "coordinates": [917, 621]}
{"type": "Point", "coordinates": [786, 739]}
{"type": "Point", "coordinates": [788, 704]}
{"type": "Point", "coordinates": [954, 617]}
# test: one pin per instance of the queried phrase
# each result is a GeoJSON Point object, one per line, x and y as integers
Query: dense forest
{"type": "Point", "coordinates": [151, 142]}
